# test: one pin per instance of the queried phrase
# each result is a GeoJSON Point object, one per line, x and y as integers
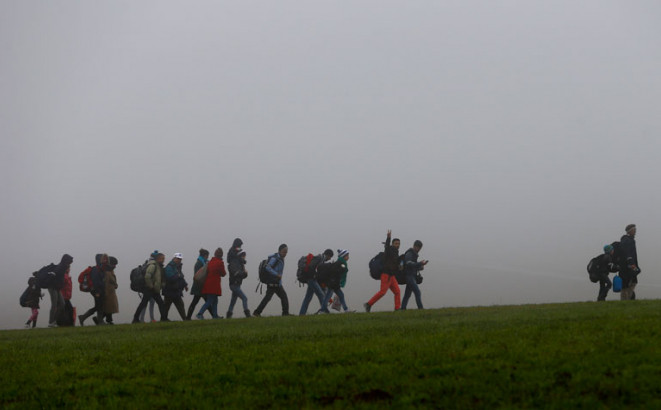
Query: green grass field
{"type": "Point", "coordinates": [589, 355]}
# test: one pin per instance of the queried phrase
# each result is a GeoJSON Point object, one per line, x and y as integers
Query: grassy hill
{"type": "Point", "coordinates": [587, 355]}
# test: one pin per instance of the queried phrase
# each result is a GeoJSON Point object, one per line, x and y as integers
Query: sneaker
{"type": "Point", "coordinates": [27, 325]}
{"type": "Point", "coordinates": [349, 311]}
{"type": "Point", "coordinates": [81, 320]}
{"type": "Point", "coordinates": [367, 307]}
{"type": "Point", "coordinates": [53, 325]}
{"type": "Point", "coordinates": [95, 320]}
{"type": "Point", "coordinates": [255, 314]}
{"type": "Point", "coordinates": [199, 317]}
{"type": "Point", "coordinates": [228, 315]}
{"type": "Point", "coordinates": [153, 321]}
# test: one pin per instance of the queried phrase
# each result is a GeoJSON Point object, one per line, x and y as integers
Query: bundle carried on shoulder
{"type": "Point", "coordinates": [201, 275]}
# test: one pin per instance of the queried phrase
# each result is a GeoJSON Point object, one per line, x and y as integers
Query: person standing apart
{"type": "Point", "coordinates": [275, 267]}
{"type": "Point", "coordinates": [237, 268]}
{"type": "Point", "coordinates": [629, 270]}
{"type": "Point", "coordinates": [196, 288]}
{"type": "Point", "coordinates": [411, 268]}
{"type": "Point", "coordinates": [390, 267]}
{"type": "Point", "coordinates": [212, 288]}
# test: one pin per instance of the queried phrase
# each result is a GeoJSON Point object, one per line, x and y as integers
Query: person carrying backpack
{"type": "Point", "coordinates": [175, 284]}
{"type": "Point", "coordinates": [236, 261]}
{"type": "Point", "coordinates": [629, 268]}
{"type": "Point", "coordinates": [30, 298]}
{"type": "Point", "coordinates": [275, 267]}
{"type": "Point", "coordinates": [390, 268]}
{"type": "Point", "coordinates": [153, 285]}
{"type": "Point", "coordinates": [54, 287]}
{"type": "Point", "coordinates": [335, 280]}
{"type": "Point", "coordinates": [211, 289]}
{"type": "Point", "coordinates": [411, 268]}
{"type": "Point", "coordinates": [196, 288]}
{"type": "Point", "coordinates": [312, 282]}
{"type": "Point", "coordinates": [98, 290]}
{"type": "Point", "coordinates": [599, 268]}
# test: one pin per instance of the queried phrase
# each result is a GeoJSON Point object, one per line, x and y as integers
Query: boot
{"type": "Point", "coordinates": [228, 315]}
{"type": "Point", "coordinates": [247, 312]}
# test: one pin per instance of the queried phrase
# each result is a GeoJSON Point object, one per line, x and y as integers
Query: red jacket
{"type": "Point", "coordinates": [66, 289]}
{"type": "Point", "coordinates": [215, 269]}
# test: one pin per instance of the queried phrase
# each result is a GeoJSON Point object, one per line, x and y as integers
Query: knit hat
{"type": "Point", "coordinates": [112, 261]}
{"type": "Point", "coordinates": [179, 255]}
{"type": "Point", "coordinates": [608, 248]}
{"type": "Point", "coordinates": [341, 253]}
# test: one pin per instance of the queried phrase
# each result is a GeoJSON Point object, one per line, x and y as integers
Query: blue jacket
{"type": "Point", "coordinates": [275, 265]}
{"type": "Point", "coordinates": [174, 281]}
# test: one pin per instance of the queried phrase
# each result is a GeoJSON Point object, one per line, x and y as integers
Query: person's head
{"type": "Point", "coordinates": [328, 253]}
{"type": "Point", "coordinates": [112, 261]}
{"type": "Point", "coordinates": [204, 253]}
{"type": "Point", "coordinates": [396, 242]}
{"type": "Point", "coordinates": [417, 245]}
{"type": "Point", "coordinates": [177, 258]}
{"type": "Point", "coordinates": [282, 250]}
{"type": "Point", "coordinates": [159, 258]}
{"type": "Point", "coordinates": [154, 254]}
{"type": "Point", "coordinates": [66, 260]}
{"type": "Point", "coordinates": [237, 243]}
{"type": "Point", "coordinates": [218, 253]}
{"type": "Point", "coordinates": [343, 253]}
{"type": "Point", "coordinates": [631, 229]}
{"type": "Point", "coordinates": [608, 249]}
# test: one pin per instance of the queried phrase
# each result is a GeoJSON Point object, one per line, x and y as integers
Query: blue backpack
{"type": "Point", "coordinates": [617, 283]}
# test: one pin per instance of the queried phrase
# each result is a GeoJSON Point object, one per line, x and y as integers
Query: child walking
{"type": "Point", "coordinates": [31, 299]}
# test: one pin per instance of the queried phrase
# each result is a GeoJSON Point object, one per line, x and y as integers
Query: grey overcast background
{"type": "Point", "coordinates": [514, 138]}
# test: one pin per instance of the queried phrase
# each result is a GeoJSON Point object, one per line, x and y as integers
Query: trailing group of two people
{"type": "Point", "coordinates": [620, 257]}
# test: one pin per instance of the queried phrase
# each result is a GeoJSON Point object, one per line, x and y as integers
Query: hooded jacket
{"type": "Point", "coordinates": [390, 259]}
{"type": "Point", "coordinates": [98, 274]}
{"type": "Point", "coordinates": [154, 276]}
{"type": "Point", "coordinates": [174, 281]}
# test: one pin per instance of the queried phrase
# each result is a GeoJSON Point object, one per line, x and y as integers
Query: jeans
{"type": "Point", "coordinates": [146, 296]}
{"type": "Point", "coordinates": [313, 288]}
{"type": "Point", "coordinates": [270, 290]}
{"type": "Point", "coordinates": [387, 282]}
{"type": "Point", "coordinates": [151, 311]}
{"type": "Point", "coordinates": [212, 304]}
{"type": "Point", "coordinates": [237, 293]}
{"type": "Point", "coordinates": [412, 287]}
{"type": "Point", "coordinates": [193, 304]}
{"type": "Point", "coordinates": [56, 304]}
{"type": "Point", "coordinates": [329, 293]}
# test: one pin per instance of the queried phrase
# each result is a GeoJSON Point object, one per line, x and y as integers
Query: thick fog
{"type": "Point", "coordinates": [513, 138]}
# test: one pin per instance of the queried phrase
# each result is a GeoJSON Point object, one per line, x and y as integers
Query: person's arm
{"type": "Point", "coordinates": [149, 276]}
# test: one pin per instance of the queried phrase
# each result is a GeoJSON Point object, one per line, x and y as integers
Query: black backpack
{"type": "Point", "coordinates": [329, 274]}
{"type": "Point", "coordinates": [618, 253]}
{"type": "Point", "coordinates": [264, 275]}
{"type": "Point", "coordinates": [138, 278]}
{"type": "Point", "coordinates": [23, 300]}
{"type": "Point", "coordinates": [593, 269]}
{"type": "Point", "coordinates": [376, 266]}
{"type": "Point", "coordinates": [46, 276]}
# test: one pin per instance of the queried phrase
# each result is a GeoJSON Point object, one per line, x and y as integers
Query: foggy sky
{"type": "Point", "coordinates": [513, 138]}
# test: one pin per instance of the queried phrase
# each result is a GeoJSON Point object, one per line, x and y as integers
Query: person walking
{"type": "Point", "coordinates": [275, 267]}
{"type": "Point", "coordinates": [175, 284]}
{"type": "Point", "coordinates": [212, 288]}
{"type": "Point", "coordinates": [98, 291]}
{"type": "Point", "coordinates": [32, 296]}
{"type": "Point", "coordinates": [196, 288]}
{"type": "Point", "coordinates": [601, 266]}
{"type": "Point", "coordinates": [313, 284]}
{"type": "Point", "coordinates": [335, 280]}
{"type": "Point", "coordinates": [629, 269]}
{"type": "Point", "coordinates": [54, 289]}
{"type": "Point", "coordinates": [110, 303]}
{"type": "Point", "coordinates": [236, 261]}
{"type": "Point", "coordinates": [153, 285]}
{"type": "Point", "coordinates": [66, 317]}
{"type": "Point", "coordinates": [411, 269]}
{"type": "Point", "coordinates": [390, 268]}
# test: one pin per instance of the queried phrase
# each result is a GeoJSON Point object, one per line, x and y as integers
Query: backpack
{"type": "Point", "coordinates": [46, 276]}
{"type": "Point", "coordinates": [23, 300]}
{"type": "Point", "coordinates": [329, 274]}
{"type": "Point", "coordinates": [593, 269]}
{"type": "Point", "coordinates": [138, 278]}
{"type": "Point", "coordinates": [618, 253]}
{"type": "Point", "coordinates": [85, 280]}
{"type": "Point", "coordinates": [376, 266]}
{"type": "Point", "coordinates": [401, 272]}
{"type": "Point", "coordinates": [303, 272]}
{"type": "Point", "coordinates": [264, 275]}
{"type": "Point", "coordinates": [200, 277]}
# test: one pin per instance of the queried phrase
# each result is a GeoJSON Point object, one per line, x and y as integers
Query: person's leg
{"type": "Point", "coordinates": [179, 304]}
{"type": "Point", "coordinates": [98, 305]}
{"type": "Point", "coordinates": [394, 287]}
{"type": "Point", "coordinates": [340, 295]}
{"type": "Point", "coordinates": [280, 291]}
{"type": "Point", "coordinates": [161, 306]}
{"type": "Point", "coordinates": [205, 306]}
{"type": "Point", "coordinates": [604, 286]}
{"type": "Point", "coordinates": [33, 317]}
{"type": "Point", "coordinates": [191, 307]}
{"type": "Point", "coordinates": [140, 311]}
{"type": "Point", "coordinates": [53, 305]}
{"type": "Point", "coordinates": [244, 300]}
{"type": "Point", "coordinates": [214, 306]}
{"type": "Point", "coordinates": [407, 292]}
{"type": "Point", "coordinates": [306, 300]}
{"type": "Point", "coordinates": [385, 283]}
{"type": "Point", "coordinates": [324, 302]}
{"type": "Point", "coordinates": [316, 288]}
{"type": "Point", "coordinates": [270, 290]}
{"type": "Point", "coordinates": [233, 299]}
{"type": "Point", "coordinates": [167, 303]}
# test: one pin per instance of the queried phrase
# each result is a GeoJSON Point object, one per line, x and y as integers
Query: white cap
{"type": "Point", "coordinates": [178, 255]}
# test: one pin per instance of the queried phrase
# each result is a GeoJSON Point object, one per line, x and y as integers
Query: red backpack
{"type": "Point", "coordinates": [85, 280]}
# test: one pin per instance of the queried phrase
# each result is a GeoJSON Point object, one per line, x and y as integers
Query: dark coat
{"type": "Point", "coordinates": [411, 264]}
{"type": "Point", "coordinates": [390, 259]}
{"type": "Point", "coordinates": [629, 257]}
{"type": "Point", "coordinates": [237, 271]}
{"type": "Point", "coordinates": [175, 283]}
